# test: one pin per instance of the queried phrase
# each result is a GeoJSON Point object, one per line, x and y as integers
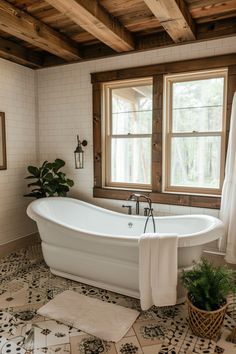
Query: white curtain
{"type": "Point", "coordinates": [228, 201]}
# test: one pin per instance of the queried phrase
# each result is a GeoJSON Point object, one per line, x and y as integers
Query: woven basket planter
{"type": "Point", "coordinates": [206, 324]}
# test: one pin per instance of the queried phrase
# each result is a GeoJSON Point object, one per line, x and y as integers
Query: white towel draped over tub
{"type": "Point", "coordinates": [158, 269]}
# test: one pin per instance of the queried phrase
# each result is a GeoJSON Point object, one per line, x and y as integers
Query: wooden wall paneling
{"type": "Point", "coordinates": [97, 134]}
{"type": "Point", "coordinates": [3, 142]}
{"type": "Point", "coordinates": [157, 133]}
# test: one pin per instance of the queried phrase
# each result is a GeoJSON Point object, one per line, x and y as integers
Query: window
{"type": "Point", "coordinates": [127, 118]}
{"type": "Point", "coordinates": [194, 135]}
{"type": "Point", "coordinates": [163, 129]}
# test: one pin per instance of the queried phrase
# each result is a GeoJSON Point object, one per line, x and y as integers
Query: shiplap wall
{"type": "Point", "coordinates": [17, 100]}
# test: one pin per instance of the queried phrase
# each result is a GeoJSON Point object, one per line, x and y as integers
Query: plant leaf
{"type": "Point", "coordinates": [34, 171]}
{"type": "Point", "coordinates": [30, 177]}
{"type": "Point", "coordinates": [58, 164]}
{"type": "Point", "coordinates": [49, 177]}
{"type": "Point", "coordinates": [44, 163]}
{"type": "Point", "coordinates": [37, 183]}
{"type": "Point", "coordinates": [48, 165]}
{"type": "Point", "coordinates": [70, 182]}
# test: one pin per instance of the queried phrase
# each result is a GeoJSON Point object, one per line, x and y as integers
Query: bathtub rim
{"type": "Point", "coordinates": [198, 238]}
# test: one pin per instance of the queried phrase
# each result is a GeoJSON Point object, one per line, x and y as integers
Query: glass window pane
{"type": "Point", "coordinates": [132, 110]}
{"type": "Point", "coordinates": [195, 161]}
{"type": "Point", "coordinates": [198, 105]}
{"type": "Point", "coordinates": [131, 160]}
{"type": "Point", "coordinates": [132, 122]}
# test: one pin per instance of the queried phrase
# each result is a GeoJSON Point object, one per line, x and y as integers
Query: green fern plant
{"type": "Point", "coordinates": [49, 181]}
{"type": "Point", "coordinates": [207, 285]}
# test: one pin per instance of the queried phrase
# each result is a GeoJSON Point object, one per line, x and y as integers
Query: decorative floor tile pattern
{"type": "Point", "coordinates": [26, 284]}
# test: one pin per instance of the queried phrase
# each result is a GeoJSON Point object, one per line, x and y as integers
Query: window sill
{"type": "Point", "coordinates": [129, 189]}
{"type": "Point", "coordinates": [200, 192]}
{"type": "Point", "coordinates": [200, 201]}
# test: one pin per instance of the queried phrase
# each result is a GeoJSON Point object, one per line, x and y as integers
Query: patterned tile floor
{"type": "Point", "coordinates": [27, 284]}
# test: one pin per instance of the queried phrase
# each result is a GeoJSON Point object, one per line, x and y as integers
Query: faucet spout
{"type": "Point", "coordinates": [136, 198]}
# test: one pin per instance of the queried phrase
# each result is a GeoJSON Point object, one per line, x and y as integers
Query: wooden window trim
{"type": "Point", "coordinates": [4, 149]}
{"type": "Point", "coordinates": [169, 80]}
{"type": "Point", "coordinates": [156, 71]}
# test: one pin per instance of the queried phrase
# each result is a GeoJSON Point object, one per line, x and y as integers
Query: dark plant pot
{"type": "Point", "coordinates": [206, 324]}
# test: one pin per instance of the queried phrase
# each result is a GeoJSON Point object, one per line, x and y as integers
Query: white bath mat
{"type": "Point", "coordinates": [101, 319]}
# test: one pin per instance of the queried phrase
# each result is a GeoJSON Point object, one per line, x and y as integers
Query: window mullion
{"type": "Point", "coordinates": [195, 134]}
{"type": "Point", "coordinates": [130, 136]}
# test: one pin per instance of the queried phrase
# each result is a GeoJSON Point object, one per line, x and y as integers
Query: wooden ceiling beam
{"type": "Point", "coordinates": [206, 31]}
{"type": "Point", "coordinates": [175, 18]}
{"type": "Point", "coordinates": [21, 25]}
{"type": "Point", "coordinates": [92, 17]}
{"type": "Point", "coordinates": [19, 54]}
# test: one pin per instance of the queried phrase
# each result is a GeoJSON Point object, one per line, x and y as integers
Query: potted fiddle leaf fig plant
{"type": "Point", "coordinates": [208, 287]}
{"type": "Point", "coordinates": [48, 180]}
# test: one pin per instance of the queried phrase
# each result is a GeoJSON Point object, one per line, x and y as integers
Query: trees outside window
{"type": "Point", "coordinates": [128, 133]}
{"type": "Point", "coordinates": [195, 131]}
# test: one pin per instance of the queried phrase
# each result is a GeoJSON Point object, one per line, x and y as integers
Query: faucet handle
{"type": "Point", "coordinates": [147, 211]}
{"type": "Point", "coordinates": [129, 207]}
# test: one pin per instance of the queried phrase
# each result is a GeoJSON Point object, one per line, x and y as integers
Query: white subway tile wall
{"type": "Point", "coordinates": [17, 100]}
{"type": "Point", "coordinates": [65, 109]}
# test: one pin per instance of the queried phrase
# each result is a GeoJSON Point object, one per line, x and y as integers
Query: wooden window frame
{"type": "Point", "coordinates": [107, 88]}
{"type": "Point", "coordinates": [156, 71]}
{"type": "Point", "coordinates": [168, 134]}
{"type": "Point", "coordinates": [3, 166]}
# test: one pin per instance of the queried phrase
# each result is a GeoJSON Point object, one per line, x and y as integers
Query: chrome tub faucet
{"type": "Point", "coordinates": [137, 198]}
{"type": "Point", "coordinates": [148, 212]}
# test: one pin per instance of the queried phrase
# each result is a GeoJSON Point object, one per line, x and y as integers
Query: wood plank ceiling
{"type": "Point", "coordinates": [39, 33]}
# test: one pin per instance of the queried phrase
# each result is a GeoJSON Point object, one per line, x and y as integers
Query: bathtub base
{"type": "Point", "coordinates": [127, 292]}
{"type": "Point", "coordinates": [100, 271]}
{"type": "Point", "coordinates": [97, 284]}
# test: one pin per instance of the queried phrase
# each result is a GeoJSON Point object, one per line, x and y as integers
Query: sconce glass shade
{"type": "Point", "coordinates": [79, 154]}
{"type": "Point", "coordinates": [79, 159]}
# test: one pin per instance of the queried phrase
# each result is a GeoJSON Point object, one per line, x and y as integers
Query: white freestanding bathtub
{"type": "Point", "coordinates": [99, 247]}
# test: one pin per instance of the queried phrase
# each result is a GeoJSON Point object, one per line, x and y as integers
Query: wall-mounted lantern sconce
{"type": "Point", "coordinates": [79, 153]}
